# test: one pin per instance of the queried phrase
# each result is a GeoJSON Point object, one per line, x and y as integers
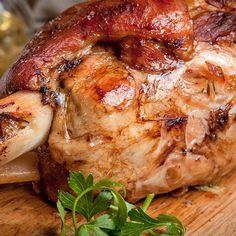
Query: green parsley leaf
{"type": "Point", "coordinates": [61, 211]}
{"type": "Point", "coordinates": [117, 217]}
{"type": "Point", "coordinates": [121, 215]}
{"type": "Point", "coordinates": [104, 222]}
{"type": "Point", "coordinates": [141, 222]}
{"type": "Point", "coordinates": [62, 214]}
{"type": "Point", "coordinates": [129, 206]}
{"type": "Point", "coordinates": [66, 200]}
{"type": "Point", "coordinates": [173, 225]}
{"type": "Point", "coordinates": [101, 203]}
{"type": "Point", "coordinates": [91, 230]}
{"type": "Point", "coordinates": [110, 183]}
{"type": "Point", "coordinates": [78, 184]}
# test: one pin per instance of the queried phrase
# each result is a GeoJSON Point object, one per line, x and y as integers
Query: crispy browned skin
{"type": "Point", "coordinates": [223, 4]}
{"type": "Point", "coordinates": [147, 55]}
{"type": "Point", "coordinates": [153, 133]}
{"type": "Point", "coordinates": [212, 5]}
{"type": "Point", "coordinates": [131, 107]}
{"type": "Point", "coordinates": [212, 26]}
{"type": "Point", "coordinates": [107, 20]}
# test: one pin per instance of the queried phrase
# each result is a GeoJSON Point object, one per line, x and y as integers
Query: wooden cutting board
{"type": "Point", "coordinates": [23, 213]}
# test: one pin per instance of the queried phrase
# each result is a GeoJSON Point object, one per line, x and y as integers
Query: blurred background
{"type": "Point", "coordinates": [19, 20]}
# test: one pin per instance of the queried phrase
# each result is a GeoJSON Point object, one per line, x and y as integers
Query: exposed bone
{"type": "Point", "coordinates": [24, 124]}
{"type": "Point", "coordinates": [22, 169]}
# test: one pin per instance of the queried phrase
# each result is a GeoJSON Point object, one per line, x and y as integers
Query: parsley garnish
{"type": "Point", "coordinates": [107, 213]}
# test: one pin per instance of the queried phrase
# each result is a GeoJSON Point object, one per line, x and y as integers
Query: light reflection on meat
{"type": "Point", "coordinates": [141, 93]}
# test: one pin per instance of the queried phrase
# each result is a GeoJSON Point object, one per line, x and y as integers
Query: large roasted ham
{"type": "Point", "coordinates": [143, 92]}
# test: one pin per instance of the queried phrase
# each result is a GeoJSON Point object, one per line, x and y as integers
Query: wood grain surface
{"type": "Point", "coordinates": [22, 212]}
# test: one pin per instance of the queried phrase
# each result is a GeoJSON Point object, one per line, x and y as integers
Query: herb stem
{"type": "Point", "coordinates": [79, 197]}
{"type": "Point", "coordinates": [122, 217]}
{"type": "Point", "coordinates": [75, 205]}
{"type": "Point", "coordinates": [115, 208]}
{"type": "Point", "coordinates": [148, 202]}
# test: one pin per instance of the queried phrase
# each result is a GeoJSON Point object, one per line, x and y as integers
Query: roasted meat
{"type": "Point", "coordinates": [143, 92]}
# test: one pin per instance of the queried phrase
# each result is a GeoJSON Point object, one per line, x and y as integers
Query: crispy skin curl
{"type": "Point", "coordinates": [83, 25]}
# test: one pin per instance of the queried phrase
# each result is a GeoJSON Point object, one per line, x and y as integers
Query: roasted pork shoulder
{"type": "Point", "coordinates": [143, 92]}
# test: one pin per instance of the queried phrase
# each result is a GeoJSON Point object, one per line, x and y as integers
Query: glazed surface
{"type": "Point", "coordinates": [143, 92]}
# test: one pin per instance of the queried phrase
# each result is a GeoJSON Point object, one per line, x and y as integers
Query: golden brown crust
{"type": "Point", "coordinates": [213, 26]}
{"type": "Point", "coordinates": [222, 4]}
{"type": "Point", "coordinates": [108, 20]}
{"type": "Point", "coordinates": [147, 55]}
{"type": "Point", "coordinates": [152, 132]}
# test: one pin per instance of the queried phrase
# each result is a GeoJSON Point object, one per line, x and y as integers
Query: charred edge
{"type": "Point", "coordinates": [38, 72]}
{"type": "Point", "coordinates": [55, 97]}
{"type": "Point", "coordinates": [9, 116]}
{"type": "Point", "coordinates": [45, 95]}
{"type": "Point", "coordinates": [184, 151]}
{"type": "Point", "coordinates": [6, 105]}
{"type": "Point", "coordinates": [178, 43]}
{"type": "Point", "coordinates": [69, 65]}
{"type": "Point", "coordinates": [171, 123]}
{"type": "Point", "coordinates": [44, 89]}
{"type": "Point", "coordinates": [9, 124]}
{"type": "Point", "coordinates": [218, 120]}
{"type": "Point", "coordinates": [42, 80]}
{"type": "Point", "coordinates": [3, 151]}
